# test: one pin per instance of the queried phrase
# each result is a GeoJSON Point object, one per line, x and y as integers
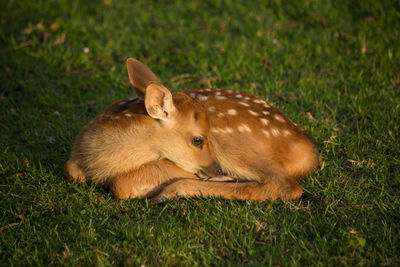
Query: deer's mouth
{"type": "Point", "coordinates": [210, 171]}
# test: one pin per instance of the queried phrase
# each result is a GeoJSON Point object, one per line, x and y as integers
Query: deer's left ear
{"type": "Point", "coordinates": [159, 102]}
{"type": "Point", "coordinates": [140, 76]}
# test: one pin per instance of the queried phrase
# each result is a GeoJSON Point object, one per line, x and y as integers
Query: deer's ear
{"type": "Point", "coordinates": [140, 76]}
{"type": "Point", "coordinates": [159, 102]}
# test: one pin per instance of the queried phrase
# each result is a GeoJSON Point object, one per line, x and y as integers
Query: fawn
{"type": "Point", "coordinates": [199, 142]}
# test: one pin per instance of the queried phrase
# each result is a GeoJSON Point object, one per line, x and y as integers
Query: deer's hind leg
{"type": "Point", "coordinates": [146, 180]}
{"type": "Point", "coordinates": [74, 172]}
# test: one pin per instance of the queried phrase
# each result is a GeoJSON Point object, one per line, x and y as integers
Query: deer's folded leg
{"type": "Point", "coordinates": [73, 172]}
{"type": "Point", "coordinates": [259, 191]}
{"type": "Point", "coordinates": [146, 179]}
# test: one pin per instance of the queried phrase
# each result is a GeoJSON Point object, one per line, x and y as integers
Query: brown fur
{"type": "Point", "coordinates": [144, 154]}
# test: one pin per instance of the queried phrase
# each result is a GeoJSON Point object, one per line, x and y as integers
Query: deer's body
{"type": "Point", "coordinates": [261, 151]}
{"type": "Point", "coordinates": [246, 131]}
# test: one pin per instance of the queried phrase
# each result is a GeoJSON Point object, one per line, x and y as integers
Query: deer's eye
{"type": "Point", "coordinates": [198, 141]}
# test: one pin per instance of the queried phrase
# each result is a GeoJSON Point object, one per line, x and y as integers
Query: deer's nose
{"type": "Point", "coordinates": [211, 170]}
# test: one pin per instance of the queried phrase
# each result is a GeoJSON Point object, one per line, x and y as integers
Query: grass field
{"type": "Point", "coordinates": [331, 66]}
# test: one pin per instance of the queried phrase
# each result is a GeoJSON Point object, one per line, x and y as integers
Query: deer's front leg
{"type": "Point", "coordinates": [145, 180]}
{"type": "Point", "coordinates": [258, 191]}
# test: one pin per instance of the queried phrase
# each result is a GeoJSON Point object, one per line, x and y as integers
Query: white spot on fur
{"type": "Point", "coordinates": [192, 95]}
{"type": "Point", "coordinates": [266, 113]}
{"type": "Point", "coordinates": [258, 101]}
{"type": "Point", "coordinates": [246, 98]}
{"type": "Point", "coordinates": [202, 97]}
{"type": "Point", "coordinates": [266, 105]}
{"type": "Point", "coordinates": [286, 132]}
{"type": "Point", "coordinates": [244, 128]}
{"type": "Point", "coordinates": [238, 96]}
{"type": "Point", "coordinates": [215, 130]}
{"type": "Point", "coordinates": [227, 130]}
{"type": "Point", "coordinates": [115, 117]}
{"type": "Point", "coordinates": [127, 115]}
{"type": "Point", "coordinates": [220, 97]}
{"type": "Point", "coordinates": [232, 112]}
{"type": "Point", "coordinates": [266, 133]}
{"type": "Point", "coordinates": [275, 132]}
{"type": "Point", "coordinates": [244, 104]}
{"type": "Point", "coordinates": [252, 112]}
{"type": "Point", "coordinates": [208, 90]}
{"type": "Point", "coordinates": [279, 118]}
{"type": "Point", "coordinates": [220, 115]}
{"type": "Point", "coordinates": [211, 109]}
{"type": "Point", "coordinates": [264, 121]}
{"type": "Point", "coordinates": [229, 91]}
{"type": "Point", "coordinates": [217, 93]}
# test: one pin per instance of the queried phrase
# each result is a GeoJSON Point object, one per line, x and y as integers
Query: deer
{"type": "Point", "coordinates": [194, 143]}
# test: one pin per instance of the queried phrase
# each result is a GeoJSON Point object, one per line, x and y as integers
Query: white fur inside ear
{"type": "Point", "coordinates": [159, 103]}
{"type": "Point", "coordinates": [157, 112]}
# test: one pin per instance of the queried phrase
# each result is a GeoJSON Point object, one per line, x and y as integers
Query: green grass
{"type": "Point", "coordinates": [331, 66]}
